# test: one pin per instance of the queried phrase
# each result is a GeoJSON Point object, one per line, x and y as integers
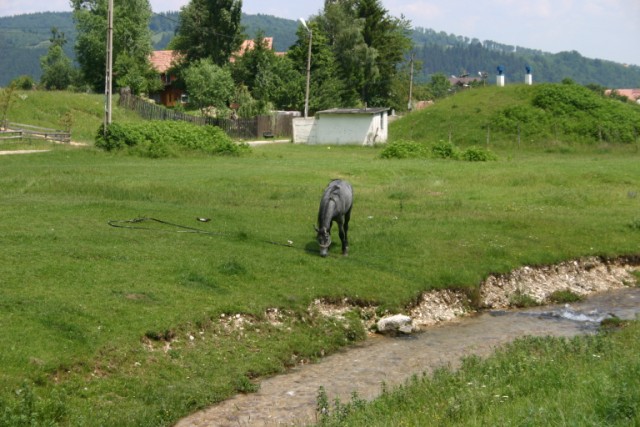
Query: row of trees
{"type": "Point", "coordinates": [358, 51]}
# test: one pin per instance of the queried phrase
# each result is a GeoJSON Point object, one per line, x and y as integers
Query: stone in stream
{"type": "Point", "coordinates": [398, 323]}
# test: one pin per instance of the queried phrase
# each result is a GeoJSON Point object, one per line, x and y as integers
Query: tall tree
{"type": "Point", "coordinates": [57, 69]}
{"type": "Point", "coordinates": [326, 87]}
{"type": "Point", "coordinates": [439, 85]}
{"type": "Point", "coordinates": [208, 84]}
{"type": "Point", "coordinates": [248, 66]}
{"type": "Point", "coordinates": [209, 29]}
{"type": "Point", "coordinates": [131, 40]}
{"type": "Point", "coordinates": [368, 45]}
{"type": "Point", "coordinates": [272, 80]}
{"type": "Point", "coordinates": [287, 92]}
{"type": "Point", "coordinates": [389, 37]}
{"type": "Point", "coordinates": [355, 59]}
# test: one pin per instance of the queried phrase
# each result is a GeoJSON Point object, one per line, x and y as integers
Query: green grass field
{"type": "Point", "coordinates": [118, 326]}
{"type": "Point", "coordinates": [80, 297]}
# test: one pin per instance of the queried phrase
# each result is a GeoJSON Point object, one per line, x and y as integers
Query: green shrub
{"type": "Point", "coordinates": [566, 99]}
{"type": "Point", "coordinates": [404, 149]}
{"type": "Point", "coordinates": [440, 150]}
{"type": "Point", "coordinates": [445, 150]}
{"type": "Point", "coordinates": [157, 139]}
{"type": "Point", "coordinates": [579, 112]}
{"type": "Point", "coordinates": [477, 154]}
{"type": "Point", "coordinates": [118, 136]}
{"type": "Point", "coordinates": [526, 119]}
{"type": "Point", "coordinates": [569, 112]}
{"type": "Point", "coordinates": [24, 82]}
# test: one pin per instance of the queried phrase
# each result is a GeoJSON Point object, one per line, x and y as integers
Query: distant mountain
{"type": "Point", "coordinates": [457, 55]}
{"type": "Point", "coordinates": [25, 38]}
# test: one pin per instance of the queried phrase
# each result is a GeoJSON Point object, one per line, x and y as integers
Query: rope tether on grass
{"type": "Point", "coordinates": [130, 224]}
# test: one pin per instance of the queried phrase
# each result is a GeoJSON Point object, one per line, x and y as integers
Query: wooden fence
{"type": "Point", "coordinates": [256, 127]}
{"type": "Point", "coordinates": [22, 131]}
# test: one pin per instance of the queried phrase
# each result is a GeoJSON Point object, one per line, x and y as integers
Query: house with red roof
{"type": "Point", "coordinates": [164, 60]}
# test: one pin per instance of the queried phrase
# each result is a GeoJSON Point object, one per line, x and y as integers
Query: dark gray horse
{"type": "Point", "coordinates": [335, 205]}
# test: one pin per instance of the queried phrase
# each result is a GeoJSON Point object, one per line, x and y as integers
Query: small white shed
{"type": "Point", "coordinates": [343, 126]}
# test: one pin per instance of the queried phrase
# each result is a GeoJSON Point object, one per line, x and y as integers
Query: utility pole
{"type": "Point", "coordinates": [306, 96]}
{"type": "Point", "coordinates": [410, 104]}
{"type": "Point", "coordinates": [108, 83]}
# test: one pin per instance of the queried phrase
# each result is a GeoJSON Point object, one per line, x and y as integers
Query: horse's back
{"type": "Point", "coordinates": [341, 190]}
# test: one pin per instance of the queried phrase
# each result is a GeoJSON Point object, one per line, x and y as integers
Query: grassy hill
{"type": "Point", "coordinates": [520, 115]}
{"type": "Point", "coordinates": [48, 109]}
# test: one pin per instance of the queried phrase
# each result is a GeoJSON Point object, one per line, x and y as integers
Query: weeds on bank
{"type": "Point", "coordinates": [520, 299]}
{"type": "Point", "coordinates": [564, 297]}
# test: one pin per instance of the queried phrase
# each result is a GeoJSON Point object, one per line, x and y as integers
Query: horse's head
{"type": "Point", "coordinates": [324, 240]}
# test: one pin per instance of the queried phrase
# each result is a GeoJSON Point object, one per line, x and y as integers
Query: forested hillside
{"type": "Point", "coordinates": [25, 38]}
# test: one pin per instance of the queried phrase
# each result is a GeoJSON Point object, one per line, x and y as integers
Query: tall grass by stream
{"type": "Point", "coordinates": [535, 381]}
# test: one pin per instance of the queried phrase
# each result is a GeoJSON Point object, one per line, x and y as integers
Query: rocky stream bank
{"type": "Point", "coordinates": [448, 333]}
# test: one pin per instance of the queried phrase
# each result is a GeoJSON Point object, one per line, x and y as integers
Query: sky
{"type": "Point", "coordinates": [604, 29]}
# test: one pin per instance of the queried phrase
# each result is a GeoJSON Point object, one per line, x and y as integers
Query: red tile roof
{"type": "Point", "coordinates": [162, 60]}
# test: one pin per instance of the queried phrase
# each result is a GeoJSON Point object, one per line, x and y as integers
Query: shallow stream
{"type": "Point", "coordinates": [290, 399]}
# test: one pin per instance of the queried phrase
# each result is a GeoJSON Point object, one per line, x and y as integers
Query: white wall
{"type": "Point", "coordinates": [342, 129]}
{"type": "Point", "coordinates": [304, 130]}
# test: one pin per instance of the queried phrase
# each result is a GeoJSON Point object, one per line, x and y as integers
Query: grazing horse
{"type": "Point", "coordinates": [335, 205]}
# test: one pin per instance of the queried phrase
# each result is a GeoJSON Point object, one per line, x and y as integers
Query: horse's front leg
{"type": "Point", "coordinates": [342, 231]}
